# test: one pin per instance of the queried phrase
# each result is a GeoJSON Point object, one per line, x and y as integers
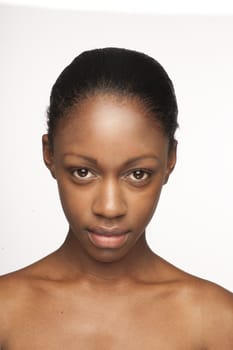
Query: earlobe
{"type": "Point", "coordinates": [47, 155]}
{"type": "Point", "coordinates": [171, 162]}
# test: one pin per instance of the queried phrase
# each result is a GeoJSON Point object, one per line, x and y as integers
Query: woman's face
{"type": "Point", "coordinates": [110, 161]}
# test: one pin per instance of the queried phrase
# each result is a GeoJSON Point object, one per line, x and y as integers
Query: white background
{"type": "Point", "coordinates": [193, 226]}
{"type": "Point", "coordinates": [145, 6]}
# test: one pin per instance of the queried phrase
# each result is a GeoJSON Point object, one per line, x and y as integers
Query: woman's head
{"type": "Point", "coordinates": [110, 146]}
{"type": "Point", "coordinates": [118, 72]}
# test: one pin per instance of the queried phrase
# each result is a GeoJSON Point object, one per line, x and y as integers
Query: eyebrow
{"type": "Point", "coordinates": [89, 159]}
{"type": "Point", "coordinates": [127, 163]}
{"type": "Point", "coordinates": [137, 159]}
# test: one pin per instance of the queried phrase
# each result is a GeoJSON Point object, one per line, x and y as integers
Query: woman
{"type": "Point", "coordinates": [111, 147]}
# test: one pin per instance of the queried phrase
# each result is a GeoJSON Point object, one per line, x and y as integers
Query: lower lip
{"type": "Point", "coordinates": [102, 241]}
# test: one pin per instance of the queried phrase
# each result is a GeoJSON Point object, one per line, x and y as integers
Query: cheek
{"type": "Point", "coordinates": [142, 206]}
{"type": "Point", "coordinates": [74, 203]}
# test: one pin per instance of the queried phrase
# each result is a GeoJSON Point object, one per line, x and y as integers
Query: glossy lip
{"type": "Point", "coordinates": [111, 238]}
{"type": "Point", "coordinates": [108, 231]}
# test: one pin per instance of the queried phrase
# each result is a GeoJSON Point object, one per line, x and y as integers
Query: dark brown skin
{"type": "Point", "coordinates": [84, 296]}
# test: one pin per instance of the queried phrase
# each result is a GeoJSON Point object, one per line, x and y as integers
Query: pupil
{"type": "Point", "coordinates": [138, 174]}
{"type": "Point", "coordinates": [82, 172]}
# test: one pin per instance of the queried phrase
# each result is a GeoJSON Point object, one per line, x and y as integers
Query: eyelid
{"type": "Point", "coordinates": [145, 170]}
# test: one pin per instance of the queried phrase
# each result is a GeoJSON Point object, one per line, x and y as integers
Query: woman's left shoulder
{"type": "Point", "coordinates": [211, 295]}
{"type": "Point", "coordinates": [215, 304]}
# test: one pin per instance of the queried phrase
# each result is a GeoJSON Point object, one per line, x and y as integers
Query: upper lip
{"type": "Point", "coordinates": [108, 231]}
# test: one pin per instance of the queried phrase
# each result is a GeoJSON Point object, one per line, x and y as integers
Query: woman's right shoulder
{"type": "Point", "coordinates": [13, 289]}
{"type": "Point", "coordinates": [19, 291]}
{"type": "Point", "coordinates": [11, 286]}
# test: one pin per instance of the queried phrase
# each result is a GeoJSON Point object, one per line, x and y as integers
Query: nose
{"type": "Point", "coordinates": [109, 201]}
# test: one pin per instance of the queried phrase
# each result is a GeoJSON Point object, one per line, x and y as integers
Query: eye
{"type": "Point", "coordinates": [82, 173]}
{"type": "Point", "coordinates": [139, 175]}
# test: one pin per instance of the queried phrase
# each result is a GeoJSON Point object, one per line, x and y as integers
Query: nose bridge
{"type": "Point", "coordinates": [109, 200]}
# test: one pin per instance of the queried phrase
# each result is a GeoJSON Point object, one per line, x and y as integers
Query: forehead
{"type": "Point", "coordinates": [109, 125]}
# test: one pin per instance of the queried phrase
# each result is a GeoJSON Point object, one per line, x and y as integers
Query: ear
{"type": "Point", "coordinates": [48, 155]}
{"type": "Point", "coordinates": [171, 161]}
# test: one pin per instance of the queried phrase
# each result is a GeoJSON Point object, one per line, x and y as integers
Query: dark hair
{"type": "Point", "coordinates": [121, 71]}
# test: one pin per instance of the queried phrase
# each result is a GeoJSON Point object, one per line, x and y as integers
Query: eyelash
{"type": "Point", "coordinates": [143, 172]}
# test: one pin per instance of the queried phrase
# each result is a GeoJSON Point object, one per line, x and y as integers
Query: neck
{"type": "Point", "coordinates": [134, 266]}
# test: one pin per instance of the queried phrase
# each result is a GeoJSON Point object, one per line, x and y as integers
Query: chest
{"type": "Point", "coordinates": [102, 323]}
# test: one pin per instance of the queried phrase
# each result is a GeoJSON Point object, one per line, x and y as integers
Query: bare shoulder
{"type": "Point", "coordinates": [13, 292]}
{"type": "Point", "coordinates": [16, 286]}
{"type": "Point", "coordinates": [215, 306]}
{"type": "Point", "coordinates": [207, 305]}
{"type": "Point", "coordinates": [19, 290]}
{"type": "Point", "coordinates": [12, 287]}
{"type": "Point", "coordinates": [217, 315]}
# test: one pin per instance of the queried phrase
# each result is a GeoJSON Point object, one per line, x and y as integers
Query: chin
{"type": "Point", "coordinates": [108, 256]}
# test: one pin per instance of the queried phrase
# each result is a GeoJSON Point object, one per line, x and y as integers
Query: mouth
{"type": "Point", "coordinates": [102, 237]}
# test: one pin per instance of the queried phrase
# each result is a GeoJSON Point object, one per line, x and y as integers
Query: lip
{"type": "Point", "coordinates": [108, 231]}
{"type": "Point", "coordinates": [102, 237]}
